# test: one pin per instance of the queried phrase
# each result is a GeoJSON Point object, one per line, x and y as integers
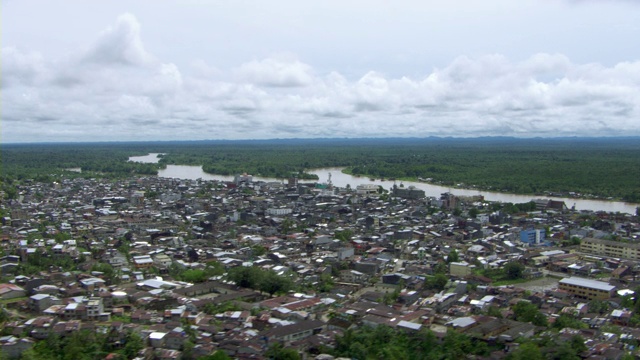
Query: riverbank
{"type": "Point", "coordinates": [458, 186]}
{"type": "Point", "coordinates": [341, 178]}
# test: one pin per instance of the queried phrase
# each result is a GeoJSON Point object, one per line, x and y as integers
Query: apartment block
{"type": "Point", "coordinates": [616, 249]}
{"type": "Point", "coordinates": [587, 288]}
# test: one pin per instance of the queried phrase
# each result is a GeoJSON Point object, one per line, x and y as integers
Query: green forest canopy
{"type": "Point", "coordinates": [605, 167]}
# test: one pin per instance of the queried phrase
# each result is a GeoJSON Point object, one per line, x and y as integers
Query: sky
{"type": "Point", "coordinates": [115, 70]}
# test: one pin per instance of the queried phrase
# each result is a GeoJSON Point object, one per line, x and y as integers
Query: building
{"type": "Point", "coordinates": [408, 193]}
{"type": "Point", "coordinates": [460, 269]}
{"type": "Point", "coordinates": [610, 248]}
{"type": "Point", "coordinates": [279, 211]}
{"type": "Point", "coordinates": [587, 288]}
{"type": "Point", "coordinates": [364, 189]}
{"type": "Point", "coordinates": [240, 178]}
{"type": "Point", "coordinates": [10, 291]}
{"type": "Point", "coordinates": [142, 262]}
{"type": "Point", "coordinates": [533, 237]}
{"type": "Point", "coordinates": [94, 308]}
{"type": "Point", "coordinates": [449, 200]}
{"type": "Point", "coordinates": [295, 331]}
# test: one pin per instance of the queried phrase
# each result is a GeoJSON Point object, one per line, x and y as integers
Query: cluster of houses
{"type": "Point", "coordinates": [103, 255]}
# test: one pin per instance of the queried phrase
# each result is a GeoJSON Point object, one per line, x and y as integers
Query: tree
{"type": "Point", "coordinates": [563, 351]}
{"type": "Point", "coordinates": [440, 268]}
{"type": "Point", "coordinates": [278, 352]}
{"type": "Point", "coordinates": [326, 283]}
{"type": "Point", "coordinates": [255, 278]}
{"type": "Point", "coordinates": [258, 250]}
{"type": "Point", "coordinates": [344, 235]}
{"type": "Point", "coordinates": [577, 344]}
{"type": "Point", "coordinates": [568, 321]}
{"type": "Point", "coordinates": [528, 312]}
{"type": "Point", "coordinates": [286, 225]}
{"type": "Point", "coordinates": [437, 282]}
{"type": "Point", "coordinates": [218, 355]}
{"type": "Point", "coordinates": [494, 311]}
{"type": "Point", "coordinates": [133, 345]}
{"type": "Point", "coordinates": [4, 316]}
{"type": "Point", "coordinates": [598, 306]}
{"type": "Point", "coordinates": [453, 256]}
{"type": "Point", "coordinates": [273, 283]}
{"type": "Point", "coordinates": [187, 350]}
{"type": "Point", "coordinates": [527, 351]}
{"type": "Point", "coordinates": [194, 276]}
{"type": "Point", "coordinates": [104, 268]}
{"type": "Point", "coordinates": [473, 212]}
{"type": "Point", "coordinates": [514, 270]}
{"type": "Point", "coordinates": [247, 277]}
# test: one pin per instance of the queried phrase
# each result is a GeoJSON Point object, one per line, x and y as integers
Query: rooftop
{"type": "Point", "coordinates": [593, 284]}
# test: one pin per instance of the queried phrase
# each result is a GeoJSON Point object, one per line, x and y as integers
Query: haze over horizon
{"type": "Point", "coordinates": [202, 69]}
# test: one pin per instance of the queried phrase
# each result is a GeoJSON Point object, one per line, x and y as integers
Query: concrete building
{"type": "Point", "coordinates": [408, 193]}
{"type": "Point", "coordinates": [10, 291]}
{"type": "Point", "coordinates": [279, 211]}
{"type": "Point", "coordinates": [460, 269]}
{"type": "Point", "coordinates": [533, 237]}
{"type": "Point", "coordinates": [587, 288]}
{"type": "Point", "coordinates": [611, 248]}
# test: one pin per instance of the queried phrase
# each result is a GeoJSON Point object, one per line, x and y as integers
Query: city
{"type": "Point", "coordinates": [163, 268]}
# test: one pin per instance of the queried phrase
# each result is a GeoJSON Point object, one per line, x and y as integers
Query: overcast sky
{"type": "Point", "coordinates": [203, 69]}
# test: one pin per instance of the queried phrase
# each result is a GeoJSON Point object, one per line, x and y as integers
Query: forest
{"type": "Point", "coordinates": [592, 167]}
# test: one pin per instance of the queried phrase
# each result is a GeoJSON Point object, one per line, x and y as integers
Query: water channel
{"type": "Point", "coordinates": [338, 178]}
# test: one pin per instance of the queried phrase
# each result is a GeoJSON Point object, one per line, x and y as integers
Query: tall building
{"type": "Point", "coordinates": [410, 192]}
{"type": "Point", "coordinates": [616, 249]}
{"type": "Point", "coordinates": [533, 237]}
{"type": "Point", "coordinates": [587, 288]}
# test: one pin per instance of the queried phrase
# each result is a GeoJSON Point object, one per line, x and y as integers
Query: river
{"type": "Point", "coordinates": [338, 178]}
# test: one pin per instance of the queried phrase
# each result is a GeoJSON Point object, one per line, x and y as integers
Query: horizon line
{"type": "Point", "coordinates": [497, 137]}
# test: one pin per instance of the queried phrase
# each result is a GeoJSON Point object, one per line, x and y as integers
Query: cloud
{"type": "Point", "coordinates": [116, 90]}
{"type": "Point", "coordinates": [120, 44]}
{"type": "Point", "coordinates": [276, 72]}
{"type": "Point", "coordinates": [19, 67]}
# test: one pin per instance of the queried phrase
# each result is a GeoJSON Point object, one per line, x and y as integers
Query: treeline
{"type": "Point", "coordinates": [86, 344]}
{"type": "Point", "coordinates": [258, 279]}
{"type": "Point", "coordinates": [46, 162]}
{"type": "Point", "coordinates": [597, 166]}
{"type": "Point", "coordinates": [383, 342]}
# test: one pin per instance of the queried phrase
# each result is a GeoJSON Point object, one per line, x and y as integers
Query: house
{"type": "Point", "coordinates": [40, 327]}
{"type": "Point", "coordinates": [460, 269]}
{"type": "Point", "coordinates": [12, 347]}
{"type": "Point", "coordinates": [175, 338]}
{"type": "Point", "coordinates": [162, 260]}
{"type": "Point", "coordinates": [142, 262]}
{"type": "Point", "coordinates": [10, 291]}
{"type": "Point", "coordinates": [297, 331]}
{"type": "Point", "coordinates": [41, 302]}
{"type": "Point", "coordinates": [156, 339]}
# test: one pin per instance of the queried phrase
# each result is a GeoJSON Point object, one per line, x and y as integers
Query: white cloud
{"type": "Point", "coordinates": [119, 91]}
{"type": "Point", "coordinates": [276, 72]}
{"type": "Point", "coordinates": [20, 67]}
{"type": "Point", "coordinates": [120, 44]}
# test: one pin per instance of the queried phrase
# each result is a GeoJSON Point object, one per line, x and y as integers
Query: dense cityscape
{"type": "Point", "coordinates": [320, 180]}
{"type": "Point", "coordinates": [163, 268]}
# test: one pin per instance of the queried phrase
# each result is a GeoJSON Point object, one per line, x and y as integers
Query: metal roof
{"type": "Point", "coordinates": [588, 283]}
